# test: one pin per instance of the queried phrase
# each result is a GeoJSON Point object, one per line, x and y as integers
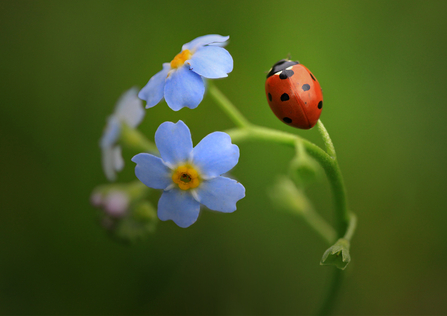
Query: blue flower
{"type": "Point", "coordinates": [180, 82]}
{"type": "Point", "coordinates": [129, 110]}
{"type": "Point", "coordinates": [190, 176]}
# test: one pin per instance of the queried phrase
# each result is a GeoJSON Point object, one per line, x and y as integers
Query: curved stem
{"type": "Point", "coordinates": [327, 139]}
{"type": "Point", "coordinates": [332, 293]}
{"type": "Point", "coordinates": [327, 160]}
{"type": "Point", "coordinates": [338, 188]}
{"type": "Point", "coordinates": [329, 164]}
{"type": "Point", "coordinates": [134, 139]}
{"type": "Point", "coordinates": [323, 229]}
{"type": "Point", "coordinates": [227, 106]}
{"type": "Point", "coordinates": [351, 228]}
{"type": "Point", "coordinates": [337, 276]}
{"type": "Point", "coordinates": [254, 132]}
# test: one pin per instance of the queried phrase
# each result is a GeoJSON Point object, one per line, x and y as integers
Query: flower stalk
{"type": "Point", "coordinates": [345, 221]}
{"type": "Point", "coordinates": [226, 105]}
{"type": "Point", "coordinates": [134, 139]}
{"type": "Point", "coordinates": [247, 131]}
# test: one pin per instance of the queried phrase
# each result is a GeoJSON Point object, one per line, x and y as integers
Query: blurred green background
{"type": "Point", "coordinates": [382, 66]}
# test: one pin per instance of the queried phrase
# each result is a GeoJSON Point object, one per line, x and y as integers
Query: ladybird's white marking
{"type": "Point", "coordinates": [288, 68]}
{"type": "Point", "coordinates": [278, 73]}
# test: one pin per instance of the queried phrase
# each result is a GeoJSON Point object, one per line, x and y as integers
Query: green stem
{"type": "Point", "coordinates": [227, 106]}
{"type": "Point", "coordinates": [318, 223]}
{"type": "Point", "coordinates": [329, 164]}
{"type": "Point", "coordinates": [332, 293]}
{"type": "Point", "coordinates": [337, 276]}
{"type": "Point", "coordinates": [327, 160]}
{"type": "Point", "coordinates": [134, 139]}
{"type": "Point", "coordinates": [338, 188]}
{"type": "Point", "coordinates": [351, 228]}
{"type": "Point", "coordinates": [327, 139]}
{"type": "Point", "coordinates": [254, 132]}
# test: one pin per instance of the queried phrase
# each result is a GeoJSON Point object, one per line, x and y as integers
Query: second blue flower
{"type": "Point", "coordinates": [181, 81]}
{"type": "Point", "coordinates": [190, 176]}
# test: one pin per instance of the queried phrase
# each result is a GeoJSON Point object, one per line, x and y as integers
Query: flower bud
{"type": "Point", "coordinates": [145, 212]}
{"type": "Point", "coordinates": [116, 203]}
{"type": "Point", "coordinates": [337, 255]}
{"type": "Point", "coordinates": [125, 213]}
{"type": "Point", "coordinates": [303, 168]}
{"type": "Point", "coordinates": [287, 196]}
{"type": "Point", "coordinates": [140, 223]}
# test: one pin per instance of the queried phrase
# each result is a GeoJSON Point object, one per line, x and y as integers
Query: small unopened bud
{"type": "Point", "coordinates": [287, 196]}
{"type": "Point", "coordinates": [303, 168]}
{"type": "Point", "coordinates": [125, 212]}
{"type": "Point", "coordinates": [144, 211]}
{"type": "Point", "coordinates": [337, 255]}
{"type": "Point", "coordinates": [116, 203]}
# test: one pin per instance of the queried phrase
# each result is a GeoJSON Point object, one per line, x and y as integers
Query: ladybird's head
{"type": "Point", "coordinates": [280, 66]}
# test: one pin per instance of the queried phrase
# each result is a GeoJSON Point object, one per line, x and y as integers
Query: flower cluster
{"type": "Point", "coordinates": [192, 177]}
{"type": "Point", "coordinates": [123, 210]}
{"type": "Point", "coordinates": [189, 176]}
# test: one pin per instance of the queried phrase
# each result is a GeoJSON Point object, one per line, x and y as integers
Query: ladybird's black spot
{"type": "Point", "coordinates": [286, 74]}
{"type": "Point", "coordinates": [320, 104]}
{"type": "Point", "coordinates": [287, 120]}
{"type": "Point", "coordinates": [284, 97]}
{"type": "Point", "coordinates": [305, 87]}
{"type": "Point", "coordinates": [312, 76]}
{"type": "Point", "coordinates": [270, 97]}
{"type": "Point", "coordinates": [281, 65]}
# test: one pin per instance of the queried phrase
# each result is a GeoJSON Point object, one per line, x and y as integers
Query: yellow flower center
{"type": "Point", "coordinates": [180, 59]}
{"type": "Point", "coordinates": [186, 177]}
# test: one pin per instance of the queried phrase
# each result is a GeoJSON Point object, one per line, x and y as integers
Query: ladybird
{"type": "Point", "coordinates": [294, 94]}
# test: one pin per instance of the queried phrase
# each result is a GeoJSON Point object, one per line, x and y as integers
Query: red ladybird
{"type": "Point", "coordinates": [294, 94]}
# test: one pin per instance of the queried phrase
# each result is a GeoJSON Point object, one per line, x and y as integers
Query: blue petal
{"type": "Point", "coordinates": [154, 89]}
{"type": "Point", "coordinates": [212, 39]}
{"type": "Point", "coordinates": [108, 165]}
{"type": "Point", "coordinates": [174, 142]}
{"type": "Point", "coordinates": [178, 206]}
{"type": "Point", "coordinates": [129, 108]}
{"type": "Point", "coordinates": [152, 171]}
{"type": "Point", "coordinates": [112, 161]}
{"type": "Point", "coordinates": [118, 161]}
{"type": "Point", "coordinates": [184, 88]}
{"type": "Point", "coordinates": [215, 155]}
{"type": "Point", "coordinates": [220, 194]}
{"type": "Point", "coordinates": [111, 132]}
{"type": "Point", "coordinates": [211, 62]}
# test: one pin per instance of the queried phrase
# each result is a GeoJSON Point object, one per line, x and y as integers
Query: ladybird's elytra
{"type": "Point", "coordinates": [294, 94]}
